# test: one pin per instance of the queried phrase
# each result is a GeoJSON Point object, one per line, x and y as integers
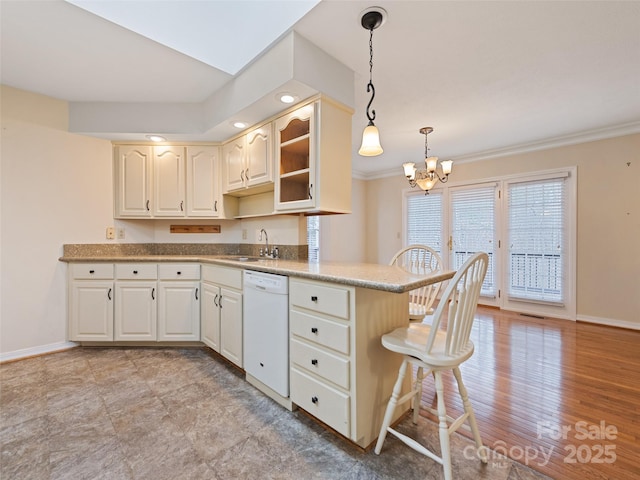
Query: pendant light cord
{"type": "Point", "coordinates": [370, 88]}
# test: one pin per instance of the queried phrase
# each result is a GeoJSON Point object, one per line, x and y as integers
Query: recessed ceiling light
{"type": "Point", "coordinates": [287, 97]}
{"type": "Point", "coordinates": [156, 138]}
{"type": "Point", "coordinates": [239, 124]}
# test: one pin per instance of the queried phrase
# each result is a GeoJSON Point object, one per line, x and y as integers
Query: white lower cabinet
{"type": "Point", "coordinates": [91, 302]}
{"type": "Point", "coordinates": [135, 316]}
{"type": "Point", "coordinates": [221, 311]}
{"type": "Point", "coordinates": [179, 302]}
{"type": "Point", "coordinates": [340, 373]}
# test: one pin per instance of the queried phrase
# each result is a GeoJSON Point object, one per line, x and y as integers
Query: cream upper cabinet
{"type": "Point", "coordinates": [248, 161]}
{"type": "Point", "coordinates": [203, 181]}
{"type": "Point", "coordinates": [168, 182]}
{"type": "Point", "coordinates": [259, 157]}
{"type": "Point", "coordinates": [133, 173]}
{"type": "Point", "coordinates": [313, 159]}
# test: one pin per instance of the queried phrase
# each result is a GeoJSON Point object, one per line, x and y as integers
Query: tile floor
{"type": "Point", "coordinates": [183, 413]}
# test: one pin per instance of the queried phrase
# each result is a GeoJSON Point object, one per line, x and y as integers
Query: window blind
{"type": "Point", "coordinates": [313, 238]}
{"type": "Point", "coordinates": [536, 232]}
{"type": "Point", "coordinates": [473, 229]}
{"type": "Point", "coordinates": [424, 220]}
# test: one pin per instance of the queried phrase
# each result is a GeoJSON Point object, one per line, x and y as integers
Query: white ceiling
{"type": "Point", "coordinates": [490, 77]}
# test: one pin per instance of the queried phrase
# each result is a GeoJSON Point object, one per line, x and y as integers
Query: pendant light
{"type": "Point", "coordinates": [371, 19]}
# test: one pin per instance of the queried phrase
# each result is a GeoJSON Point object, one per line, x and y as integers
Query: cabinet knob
{"type": "Point", "coordinates": [314, 361]}
{"type": "Point", "coordinates": [179, 273]}
{"type": "Point", "coordinates": [314, 330]}
{"type": "Point", "coordinates": [314, 400]}
{"type": "Point", "coordinates": [135, 272]}
{"type": "Point", "coordinates": [314, 299]}
{"type": "Point", "coordinates": [92, 271]}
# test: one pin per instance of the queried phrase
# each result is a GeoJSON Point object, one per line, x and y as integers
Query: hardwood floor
{"type": "Point", "coordinates": [561, 397]}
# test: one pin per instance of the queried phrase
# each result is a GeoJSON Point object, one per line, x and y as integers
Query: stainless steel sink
{"type": "Point", "coordinates": [241, 258]}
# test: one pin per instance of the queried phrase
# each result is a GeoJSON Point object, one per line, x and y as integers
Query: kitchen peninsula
{"type": "Point", "coordinates": [339, 371]}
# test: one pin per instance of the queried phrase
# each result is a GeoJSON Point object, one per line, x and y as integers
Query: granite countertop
{"type": "Point", "coordinates": [365, 275]}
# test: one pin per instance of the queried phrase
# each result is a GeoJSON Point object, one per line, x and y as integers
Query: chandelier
{"type": "Point", "coordinates": [371, 19]}
{"type": "Point", "coordinates": [427, 178]}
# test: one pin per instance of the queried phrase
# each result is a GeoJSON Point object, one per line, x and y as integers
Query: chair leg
{"type": "Point", "coordinates": [470, 415]}
{"type": "Point", "coordinates": [443, 427]}
{"type": "Point", "coordinates": [417, 388]}
{"type": "Point", "coordinates": [391, 406]}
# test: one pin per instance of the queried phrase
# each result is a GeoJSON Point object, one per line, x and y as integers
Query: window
{"type": "Point", "coordinates": [313, 238]}
{"type": "Point", "coordinates": [536, 240]}
{"type": "Point", "coordinates": [527, 226]}
{"type": "Point", "coordinates": [473, 229]}
{"type": "Point", "coordinates": [424, 217]}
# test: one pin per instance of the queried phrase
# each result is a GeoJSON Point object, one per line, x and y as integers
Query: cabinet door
{"type": "Point", "coordinates": [259, 159]}
{"type": "Point", "coordinates": [91, 310]}
{"type": "Point", "coordinates": [210, 316]}
{"type": "Point", "coordinates": [234, 165]}
{"type": "Point", "coordinates": [178, 311]}
{"type": "Point", "coordinates": [295, 159]}
{"type": "Point", "coordinates": [231, 325]}
{"type": "Point", "coordinates": [202, 181]}
{"type": "Point", "coordinates": [133, 181]}
{"type": "Point", "coordinates": [135, 316]}
{"type": "Point", "coordinates": [169, 184]}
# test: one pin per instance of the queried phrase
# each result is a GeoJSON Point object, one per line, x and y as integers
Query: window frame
{"type": "Point", "coordinates": [568, 309]}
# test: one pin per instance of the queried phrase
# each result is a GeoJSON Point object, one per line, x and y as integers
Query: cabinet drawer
{"type": "Point", "coordinates": [322, 331]}
{"type": "Point", "coordinates": [92, 270]}
{"type": "Point", "coordinates": [179, 271]}
{"type": "Point", "coordinates": [330, 367]}
{"type": "Point", "coordinates": [229, 277]}
{"type": "Point", "coordinates": [321, 401]}
{"type": "Point", "coordinates": [136, 271]}
{"type": "Point", "coordinates": [320, 298]}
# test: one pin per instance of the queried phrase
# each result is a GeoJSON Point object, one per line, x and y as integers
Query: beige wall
{"type": "Point", "coordinates": [608, 219]}
{"type": "Point", "coordinates": [342, 237]}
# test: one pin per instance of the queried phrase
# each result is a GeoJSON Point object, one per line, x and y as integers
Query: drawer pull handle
{"type": "Point", "coordinates": [314, 361]}
{"type": "Point", "coordinates": [153, 293]}
{"type": "Point", "coordinates": [92, 271]}
{"type": "Point", "coordinates": [314, 400]}
{"type": "Point", "coordinates": [109, 294]}
{"type": "Point", "coordinates": [135, 272]}
{"type": "Point", "coordinates": [196, 294]}
{"type": "Point", "coordinates": [314, 299]}
{"type": "Point", "coordinates": [215, 300]}
{"type": "Point", "coordinates": [314, 330]}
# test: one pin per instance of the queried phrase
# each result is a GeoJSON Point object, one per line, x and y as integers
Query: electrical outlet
{"type": "Point", "coordinates": [111, 233]}
{"type": "Point", "coordinates": [244, 233]}
{"type": "Point", "coordinates": [120, 233]}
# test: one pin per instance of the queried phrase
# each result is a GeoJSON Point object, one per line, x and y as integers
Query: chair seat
{"type": "Point", "coordinates": [412, 341]}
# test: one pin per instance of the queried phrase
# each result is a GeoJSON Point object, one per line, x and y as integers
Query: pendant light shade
{"type": "Point", "coordinates": [371, 18]}
{"type": "Point", "coordinates": [370, 142]}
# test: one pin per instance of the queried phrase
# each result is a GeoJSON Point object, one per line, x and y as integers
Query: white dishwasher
{"type": "Point", "coordinates": [266, 331]}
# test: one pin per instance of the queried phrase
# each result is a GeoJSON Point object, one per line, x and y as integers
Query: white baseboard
{"type": "Point", "coordinates": [611, 322]}
{"type": "Point", "coordinates": [35, 351]}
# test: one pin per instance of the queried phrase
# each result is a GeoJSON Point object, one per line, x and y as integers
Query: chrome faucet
{"type": "Point", "coordinates": [266, 242]}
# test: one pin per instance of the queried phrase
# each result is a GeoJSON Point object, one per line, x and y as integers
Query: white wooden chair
{"type": "Point", "coordinates": [435, 348]}
{"type": "Point", "coordinates": [421, 260]}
